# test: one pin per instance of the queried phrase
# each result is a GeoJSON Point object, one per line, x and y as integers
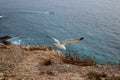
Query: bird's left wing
{"type": "Point", "coordinates": [72, 40]}
{"type": "Point", "coordinates": [56, 40]}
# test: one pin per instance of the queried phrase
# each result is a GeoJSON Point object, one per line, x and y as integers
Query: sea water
{"type": "Point", "coordinates": [98, 21]}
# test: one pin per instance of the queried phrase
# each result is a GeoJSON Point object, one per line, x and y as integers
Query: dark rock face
{"type": "Point", "coordinates": [4, 39]}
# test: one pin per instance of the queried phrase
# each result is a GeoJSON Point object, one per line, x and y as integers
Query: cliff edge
{"type": "Point", "coordinates": [23, 62]}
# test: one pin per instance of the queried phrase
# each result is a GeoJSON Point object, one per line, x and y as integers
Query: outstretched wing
{"type": "Point", "coordinates": [56, 40]}
{"type": "Point", "coordinates": [72, 40]}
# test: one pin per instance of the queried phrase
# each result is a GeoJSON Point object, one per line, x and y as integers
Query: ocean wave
{"type": "Point", "coordinates": [30, 12]}
{"type": "Point", "coordinates": [38, 12]}
{"type": "Point", "coordinates": [16, 41]}
{"type": "Point", "coordinates": [1, 16]}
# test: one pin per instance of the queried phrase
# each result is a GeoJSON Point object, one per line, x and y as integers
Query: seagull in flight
{"type": "Point", "coordinates": [61, 45]}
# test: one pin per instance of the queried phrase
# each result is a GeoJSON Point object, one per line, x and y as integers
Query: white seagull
{"type": "Point", "coordinates": [61, 45]}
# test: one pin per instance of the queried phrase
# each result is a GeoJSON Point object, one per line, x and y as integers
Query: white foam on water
{"type": "Point", "coordinates": [1, 16]}
{"type": "Point", "coordinates": [16, 41]}
{"type": "Point", "coordinates": [38, 12]}
{"type": "Point", "coordinates": [46, 12]}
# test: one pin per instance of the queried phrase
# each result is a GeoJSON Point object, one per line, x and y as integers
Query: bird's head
{"type": "Point", "coordinates": [60, 46]}
{"type": "Point", "coordinates": [64, 48]}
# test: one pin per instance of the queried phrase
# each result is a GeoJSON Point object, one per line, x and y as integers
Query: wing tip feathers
{"type": "Point", "coordinates": [81, 38]}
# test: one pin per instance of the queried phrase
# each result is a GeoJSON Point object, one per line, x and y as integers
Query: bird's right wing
{"type": "Point", "coordinates": [72, 40]}
{"type": "Point", "coordinates": [54, 39]}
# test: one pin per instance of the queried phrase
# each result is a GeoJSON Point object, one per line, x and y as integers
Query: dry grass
{"type": "Point", "coordinates": [48, 73]}
{"type": "Point", "coordinates": [100, 76]}
{"type": "Point", "coordinates": [34, 48]}
{"type": "Point", "coordinates": [96, 76]}
{"type": "Point", "coordinates": [114, 78]}
{"type": "Point", "coordinates": [10, 56]}
{"type": "Point", "coordinates": [76, 60]}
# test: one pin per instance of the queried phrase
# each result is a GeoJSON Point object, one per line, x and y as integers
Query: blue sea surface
{"type": "Point", "coordinates": [98, 21]}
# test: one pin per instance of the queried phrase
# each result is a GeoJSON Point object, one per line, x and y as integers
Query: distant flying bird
{"type": "Point", "coordinates": [4, 39]}
{"type": "Point", "coordinates": [61, 45]}
{"type": "Point", "coordinates": [51, 12]}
